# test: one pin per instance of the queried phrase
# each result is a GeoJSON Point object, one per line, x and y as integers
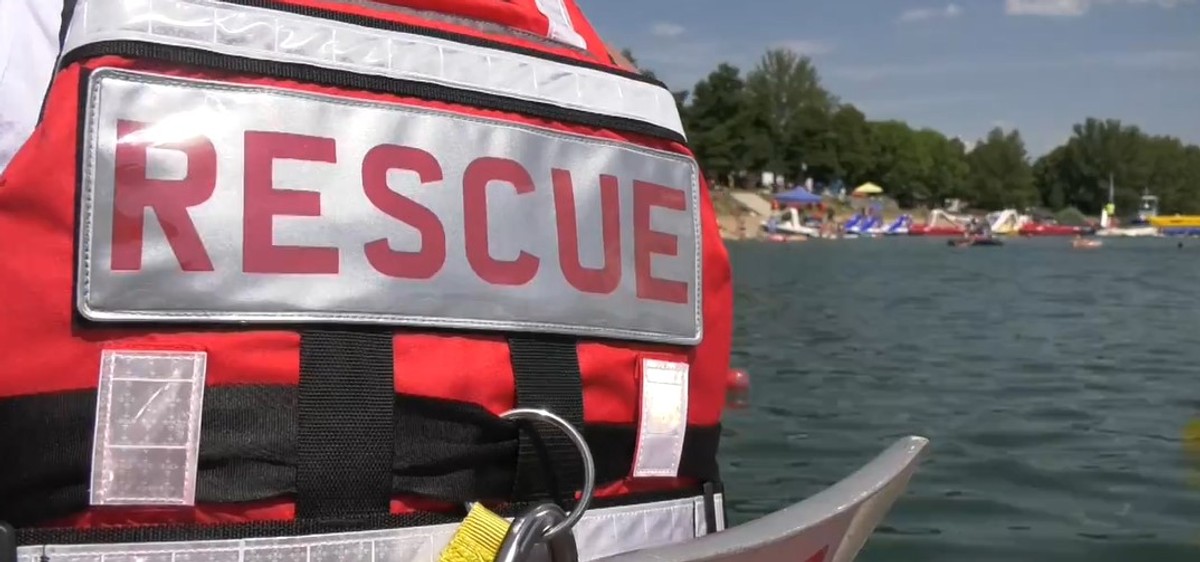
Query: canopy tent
{"type": "Point", "coordinates": [798, 196]}
{"type": "Point", "coordinates": [868, 189]}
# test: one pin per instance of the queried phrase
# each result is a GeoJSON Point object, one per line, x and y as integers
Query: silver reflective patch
{"type": "Point", "coordinates": [663, 420]}
{"type": "Point", "coordinates": [147, 435]}
{"type": "Point", "coordinates": [215, 202]}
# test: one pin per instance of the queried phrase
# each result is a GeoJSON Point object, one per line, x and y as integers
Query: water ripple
{"type": "Point", "coordinates": [1053, 384]}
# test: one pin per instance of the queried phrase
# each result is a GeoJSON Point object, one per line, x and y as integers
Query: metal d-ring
{"type": "Point", "coordinates": [589, 465]}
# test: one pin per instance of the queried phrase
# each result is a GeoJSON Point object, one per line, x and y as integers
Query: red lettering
{"type": "Point", "coordinates": [606, 279]}
{"type": "Point", "coordinates": [263, 202]}
{"type": "Point", "coordinates": [647, 242]}
{"type": "Point", "coordinates": [411, 265]}
{"type": "Point", "coordinates": [134, 192]}
{"type": "Point", "coordinates": [476, 178]}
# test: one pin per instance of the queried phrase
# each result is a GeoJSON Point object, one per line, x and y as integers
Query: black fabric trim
{"type": "Point", "coordinates": [546, 375]}
{"type": "Point", "coordinates": [263, 529]}
{"type": "Point", "coordinates": [440, 34]}
{"type": "Point", "coordinates": [711, 489]}
{"type": "Point", "coordinates": [345, 423]}
{"type": "Point", "coordinates": [343, 79]}
{"type": "Point", "coordinates": [68, 11]}
{"type": "Point", "coordinates": [442, 450]}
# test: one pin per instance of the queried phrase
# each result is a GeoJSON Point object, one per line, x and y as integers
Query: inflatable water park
{"type": "Point", "coordinates": [799, 214]}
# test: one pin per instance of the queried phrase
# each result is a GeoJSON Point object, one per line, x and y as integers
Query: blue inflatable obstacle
{"type": "Point", "coordinates": [852, 225]}
{"type": "Point", "coordinates": [863, 224]}
{"type": "Point", "coordinates": [901, 226]}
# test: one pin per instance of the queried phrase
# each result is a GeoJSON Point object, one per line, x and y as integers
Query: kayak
{"type": "Point", "coordinates": [974, 242]}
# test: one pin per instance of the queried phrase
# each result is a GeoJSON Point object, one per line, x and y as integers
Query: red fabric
{"type": "Point", "coordinates": [38, 207]}
{"type": "Point", "coordinates": [42, 350]}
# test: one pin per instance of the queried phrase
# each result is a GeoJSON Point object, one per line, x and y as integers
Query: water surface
{"type": "Point", "coordinates": [1054, 384]}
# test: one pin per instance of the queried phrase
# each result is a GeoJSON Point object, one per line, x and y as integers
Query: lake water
{"type": "Point", "coordinates": [1054, 384]}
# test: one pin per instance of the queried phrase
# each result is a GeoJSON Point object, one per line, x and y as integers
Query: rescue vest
{"type": "Point", "coordinates": [274, 268]}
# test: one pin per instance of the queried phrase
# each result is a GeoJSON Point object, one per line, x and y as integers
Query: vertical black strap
{"type": "Point", "coordinates": [547, 376]}
{"type": "Point", "coordinates": [345, 439]}
{"type": "Point", "coordinates": [64, 24]}
{"type": "Point", "coordinates": [711, 489]}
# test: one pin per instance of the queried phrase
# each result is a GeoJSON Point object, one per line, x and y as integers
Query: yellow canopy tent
{"type": "Point", "coordinates": [868, 189]}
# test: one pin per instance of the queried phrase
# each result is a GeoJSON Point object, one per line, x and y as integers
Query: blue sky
{"type": "Point", "coordinates": [961, 67]}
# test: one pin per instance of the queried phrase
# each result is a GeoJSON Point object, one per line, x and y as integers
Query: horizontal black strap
{"type": "Point", "coordinates": [444, 450]}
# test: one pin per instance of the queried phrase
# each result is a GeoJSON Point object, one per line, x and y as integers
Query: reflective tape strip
{"type": "Point", "coordinates": [147, 437]}
{"type": "Point", "coordinates": [561, 27]}
{"type": "Point", "coordinates": [663, 420]}
{"type": "Point", "coordinates": [375, 213]}
{"type": "Point", "coordinates": [265, 34]}
{"type": "Point", "coordinates": [601, 532]}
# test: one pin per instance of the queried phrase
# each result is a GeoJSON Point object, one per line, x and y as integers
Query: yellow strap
{"type": "Point", "coordinates": [478, 539]}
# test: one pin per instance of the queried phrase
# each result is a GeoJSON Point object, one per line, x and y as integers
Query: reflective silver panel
{"type": "Point", "coordinates": [334, 228]}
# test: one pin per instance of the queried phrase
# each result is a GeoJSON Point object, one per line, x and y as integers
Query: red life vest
{"type": "Point", "coordinates": [276, 267]}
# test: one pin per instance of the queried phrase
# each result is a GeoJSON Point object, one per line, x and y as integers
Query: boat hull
{"type": "Point", "coordinates": [1181, 231]}
{"type": "Point", "coordinates": [789, 230]}
{"type": "Point", "coordinates": [1053, 230]}
{"type": "Point", "coordinates": [831, 526]}
{"type": "Point", "coordinates": [923, 230]}
{"type": "Point", "coordinates": [974, 242]}
{"type": "Point", "coordinates": [1129, 232]}
{"type": "Point", "coordinates": [1177, 221]}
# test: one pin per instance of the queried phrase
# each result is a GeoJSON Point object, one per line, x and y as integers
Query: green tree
{"type": "Point", "coordinates": [781, 119]}
{"type": "Point", "coordinates": [1078, 173]}
{"type": "Point", "coordinates": [1047, 176]}
{"type": "Point", "coordinates": [853, 144]}
{"type": "Point", "coordinates": [718, 123]}
{"type": "Point", "coordinates": [782, 90]}
{"type": "Point", "coordinates": [1000, 174]}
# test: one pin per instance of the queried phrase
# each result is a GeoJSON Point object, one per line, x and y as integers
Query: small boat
{"type": "Point", "coordinates": [975, 241]}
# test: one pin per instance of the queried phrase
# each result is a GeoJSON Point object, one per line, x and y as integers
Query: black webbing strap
{"type": "Point", "coordinates": [546, 369]}
{"type": "Point", "coordinates": [68, 12]}
{"type": "Point", "coordinates": [345, 440]}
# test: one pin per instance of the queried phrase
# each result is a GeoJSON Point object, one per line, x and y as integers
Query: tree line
{"type": "Point", "coordinates": [779, 118]}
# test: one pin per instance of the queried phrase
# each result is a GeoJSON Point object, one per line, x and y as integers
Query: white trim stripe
{"type": "Point", "coordinates": [601, 533]}
{"type": "Point", "coordinates": [562, 29]}
{"type": "Point", "coordinates": [273, 35]}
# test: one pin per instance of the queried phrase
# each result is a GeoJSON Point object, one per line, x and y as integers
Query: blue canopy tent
{"type": "Point", "coordinates": [798, 196]}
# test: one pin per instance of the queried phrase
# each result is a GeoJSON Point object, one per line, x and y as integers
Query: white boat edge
{"type": "Point", "coordinates": [1129, 232]}
{"type": "Point", "coordinates": [831, 526]}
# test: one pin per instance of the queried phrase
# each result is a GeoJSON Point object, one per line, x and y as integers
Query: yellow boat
{"type": "Point", "coordinates": [1176, 221]}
